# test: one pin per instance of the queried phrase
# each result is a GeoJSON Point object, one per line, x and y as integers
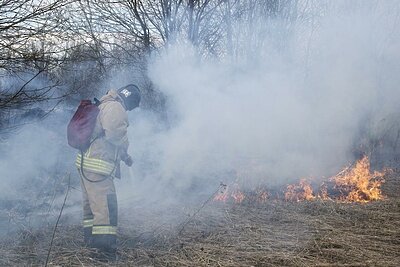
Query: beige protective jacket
{"type": "Point", "coordinates": [110, 140]}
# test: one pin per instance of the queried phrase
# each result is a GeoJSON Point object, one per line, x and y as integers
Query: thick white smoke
{"type": "Point", "coordinates": [289, 113]}
{"type": "Point", "coordinates": [287, 102]}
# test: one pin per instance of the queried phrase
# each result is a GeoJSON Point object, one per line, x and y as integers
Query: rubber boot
{"type": "Point", "coordinates": [87, 236]}
{"type": "Point", "coordinates": [106, 246]}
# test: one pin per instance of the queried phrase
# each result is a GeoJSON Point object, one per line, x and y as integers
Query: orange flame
{"type": "Point", "coordinates": [262, 196]}
{"type": "Point", "coordinates": [353, 184]}
{"type": "Point", "coordinates": [228, 193]}
{"type": "Point", "coordinates": [358, 183]}
{"type": "Point", "coordinates": [323, 192]}
{"type": "Point", "coordinates": [222, 195]}
{"type": "Point", "coordinates": [299, 192]}
{"type": "Point", "coordinates": [236, 194]}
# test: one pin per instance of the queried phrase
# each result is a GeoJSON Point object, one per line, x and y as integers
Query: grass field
{"type": "Point", "coordinates": [275, 233]}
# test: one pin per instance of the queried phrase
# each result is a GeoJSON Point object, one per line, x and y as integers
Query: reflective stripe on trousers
{"type": "Point", "coordinates": [104, 230]}
{"type": "Point", "coordinates": [88, 223]}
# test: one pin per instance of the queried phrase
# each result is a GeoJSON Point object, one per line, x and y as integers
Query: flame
{"type": "Point", "coordinates": [358, 184]}
{"type": "Point", "coordinates": [262, 196]}
{"type": "Point", "coordinates": [229, 193]}
{"type": "Point", "coordinates": [237, 195]}
{"type": "Point", "coordinates": [299, 192]}
{"type": "Point", "coordinates": [222, 194]}
{"type": "Point", "coordinates": [353, 184]}
{"type": "Point", "coordinates": [323, 192]}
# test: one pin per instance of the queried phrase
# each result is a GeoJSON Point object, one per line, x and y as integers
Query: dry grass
{"type": "Point", "coordinates": [271, 234]}
{"type": "Point", "coordinates": [276, 233]}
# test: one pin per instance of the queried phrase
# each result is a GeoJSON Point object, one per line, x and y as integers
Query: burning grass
{"type": "Point", "coordinates": [355, 183]}
{"type": "Point", "coordinates": [255, 228]}
{"type": "Point", "coordinates": [277, 233]}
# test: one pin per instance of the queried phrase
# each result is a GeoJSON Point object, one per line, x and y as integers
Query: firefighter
{"type": "Point", "coordinates": [100, 165]}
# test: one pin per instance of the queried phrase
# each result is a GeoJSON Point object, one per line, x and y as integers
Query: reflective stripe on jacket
{"type": "Point", "coordinates": [95, 165]}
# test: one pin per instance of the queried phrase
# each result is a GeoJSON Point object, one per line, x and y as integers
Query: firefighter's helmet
{"type": "Point", "coordinates": [130, 95]}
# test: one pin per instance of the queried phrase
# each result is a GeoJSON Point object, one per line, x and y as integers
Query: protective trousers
{"type": "Point", "coordinates": [100, 212]}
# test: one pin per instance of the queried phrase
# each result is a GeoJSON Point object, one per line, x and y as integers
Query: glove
{"type": "Point", "coordinates": [128, 161]}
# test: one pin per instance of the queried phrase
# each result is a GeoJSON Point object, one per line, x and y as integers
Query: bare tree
{"type": "Point", "coordinates": [83, 45]}
{"type": "Point", "coordinates": [29, 38]}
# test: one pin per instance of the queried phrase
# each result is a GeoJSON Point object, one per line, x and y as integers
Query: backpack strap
{"type": "Point", "coordinates": [97, 102]}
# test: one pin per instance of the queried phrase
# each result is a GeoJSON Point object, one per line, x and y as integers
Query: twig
{"type": "Point", "coordinates": [221, 185]}
{"type": "Point", "coordinates": [58, 219]}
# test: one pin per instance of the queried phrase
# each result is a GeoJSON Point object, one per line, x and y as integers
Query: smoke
{"type": "Point", "coordinates": [287, 100]}
{"type": "Point", "coordinates": [34, 165]}
{"type": "Point", "coordinates": [292, 112]}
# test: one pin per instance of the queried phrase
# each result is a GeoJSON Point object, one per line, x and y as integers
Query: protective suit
{"type": "Point", "coordinates": [99, 166]}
